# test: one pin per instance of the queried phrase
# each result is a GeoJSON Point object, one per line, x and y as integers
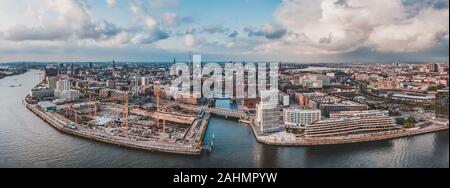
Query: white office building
{"type": "Point", "coordinates": [300, 117]}
{"type": "Point", "coordinates": [268, 114]}
{"type": "Point", "coordinates": [284, 98]}
{"type": "Point", "coordinates": [64, 92]}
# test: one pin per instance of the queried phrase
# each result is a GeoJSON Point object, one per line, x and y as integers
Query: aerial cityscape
{"type": "Point", "coordinates": [171, 88]}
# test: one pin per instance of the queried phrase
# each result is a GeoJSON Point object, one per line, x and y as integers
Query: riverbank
{"type": "Point", "coordinates": [184, 149]}
{"type": "Point", "coordinates": [3, 75]}
{"type": "Point", "coordinates": [287, 139]}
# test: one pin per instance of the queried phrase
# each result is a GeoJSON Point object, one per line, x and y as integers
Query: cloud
{"type": "Point", "coordinates": [111, 3]}
{"type": "Point", "coordinates": [163, 3]}
{"type": "Point", "coordinates": [419, 33]}
{"type": "Point", "coordinates": [61, 20]}
{"type": "Point", "coordinates": [172, 19]}
{"type": "Point", "coordinates": [190, 40]}
{"type": "Point", "coordinates": [269, 31]}
{"type": "Point", "coordinates": [213, 29]}
{"type": "Point", "coordinates": [65, 20]}
{"type": "Point", "coordinates": [148, 37]}
{"type": "Point", "coordinates": [233, 34]}
{"type": "Point", "coordinates": [339, 26]}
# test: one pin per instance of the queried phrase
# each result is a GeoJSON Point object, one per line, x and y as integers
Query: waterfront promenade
{"type": "Point", "coordinates": [287, 139]}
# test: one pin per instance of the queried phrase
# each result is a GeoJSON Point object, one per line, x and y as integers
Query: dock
{"type": "Point", "coordinates": [184, 149]}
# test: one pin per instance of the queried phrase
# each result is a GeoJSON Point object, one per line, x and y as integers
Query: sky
{"type": "Point", "coordinates": [304, 31]}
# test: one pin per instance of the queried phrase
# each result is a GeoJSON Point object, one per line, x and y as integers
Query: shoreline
{"type": "Point", "coordinates": [195, 149]}
{"type": "Point", "coordinates": [268, 140]}
{"type": "Point", "coordinates": [258, 136]}
{"type": "Point", "coordinates": [2, 76]}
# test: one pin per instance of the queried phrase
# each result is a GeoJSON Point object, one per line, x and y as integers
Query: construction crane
{"type": "Point", "coordinates": [125, 114]}
{"type": "Point", "coordinates": [92, 108]}
{"type": "Point", "coordinates": [158, 109]}
{"type": "Point", "coordinates": [117, 97]}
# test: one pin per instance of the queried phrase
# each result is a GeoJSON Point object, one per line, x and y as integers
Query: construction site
{"type": "Point", "coordinates": [153, 122]}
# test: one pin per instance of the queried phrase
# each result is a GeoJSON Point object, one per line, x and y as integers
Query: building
{"type": "Point", "coordinates": [111, 84]}
{"type": "Point", "coordinates": [300, 118]}
{"type": "Point", "coordinates": [63, 85]}
{"type": "Point", "coordinates": [433, 67]}
{"type": "Point", "coordinates": [47, 106]}
{"type": "Point", "coordinates": [64, 92]}
{"type": "Point", "coordinates": [114, 94]}
{"type": "Point", "coordinates": [50, 72]}
{"type": "Point", "coordinates": [442, 106]}
{"type": "Point", "coordinates": [144, 81]}
{"type": "Point", "coordinates": [41, 92]}
{"type": "Point", "coordinates": [361, 123]}
{"type": "Point", "coordinates": [187, 98]}
{"type": "Point", "coordinates": [52, 81]}
{"type": "Point", "coordinates": [328, 104]}
{"type": "Point", "coordinates": [315, 81]}
{"type": "Point", "coordinates": [362, 77]}
{"type": "Point", "coordinates": [268, 114]}
{"type": "Point", "coordinates": [283, 98]}
{"type": "Point", "coordinates": [352, 114]}
{"type": "Point", "coordinates": [327, 109]}
{"type": "Point", "coordinates": [303, 99]}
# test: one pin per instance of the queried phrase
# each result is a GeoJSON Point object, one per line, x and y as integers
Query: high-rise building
{"type": "Point", "coordinates": [136, 86]}
{"type": "Point", "coordinates": [143, 81]}
{"type": "Point", "coordinates": [442, 104]}
{"type": "Point", "coordinates": [50, 72]}
{"type": "Point", "coordinates": [63, 85]}
{"type": "Point", "coordinates": [52, 81]}
{"type": "Point", "coordinates": [283, 98]}
{"type": "Point", "coordinates": [433, 67]}
{"type": "Point", "coordinates": [301, 118]}
{"type": "Point", "coordinates": [64, 92]}
{"type": "Point", "coordinates": [268, 114]}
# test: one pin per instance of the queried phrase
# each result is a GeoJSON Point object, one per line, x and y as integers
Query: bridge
{"type": "Point", "coordinates": [227, 113]}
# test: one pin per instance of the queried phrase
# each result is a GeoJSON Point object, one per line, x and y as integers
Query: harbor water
{"type": "Point", "coordinates": [27, 141]}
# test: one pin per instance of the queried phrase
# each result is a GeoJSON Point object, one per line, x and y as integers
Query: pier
{"type": "Point", "coordinates": [185, 149]}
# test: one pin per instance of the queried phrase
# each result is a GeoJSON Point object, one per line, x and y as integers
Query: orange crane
{"type": "Point", "coordinates": [158, 110]}
{"type": "Point", "coordinates": [125, 114]}
{"type": "Point", "coordinates": [116, 98]}
{"type": "Point", "coordinates": [92, 108]}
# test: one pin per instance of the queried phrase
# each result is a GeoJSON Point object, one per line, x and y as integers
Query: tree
{"type": "Point", "coordinates": [409, 123]}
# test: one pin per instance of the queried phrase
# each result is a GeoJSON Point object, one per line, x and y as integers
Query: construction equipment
{"type": "Point", "coordinates": [158, 109]}
{"type": "Point", "coordinates": [126, 115]}
{"type": "Point", "coordinates": [92, 104]}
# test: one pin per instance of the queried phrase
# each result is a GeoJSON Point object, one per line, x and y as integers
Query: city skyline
{"type": "Point", "coordinates": [252, 30]}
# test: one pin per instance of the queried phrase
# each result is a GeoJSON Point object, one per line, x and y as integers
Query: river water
{"type": "Point", "coordinates": [27, 141]}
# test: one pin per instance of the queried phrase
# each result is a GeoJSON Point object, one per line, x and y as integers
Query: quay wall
{"type": "Point", "coordinates": [56, 125]}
